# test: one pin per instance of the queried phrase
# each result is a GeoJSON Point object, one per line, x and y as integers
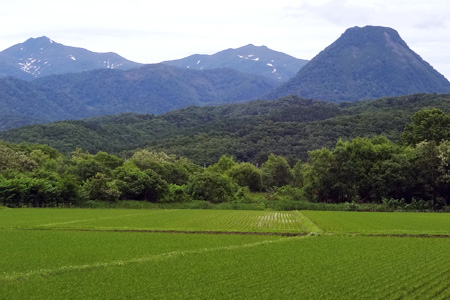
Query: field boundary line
{"type": "Point", "coordinates": [87, 220]}
{"type": "Point", "coordinates": [302, 215]}
{"type": "Point", "coordinates": [286, 234]}
{"type": "Point", "coordinates": [155, 257]}
{"type": "Point", "coordinates": [406, 235]}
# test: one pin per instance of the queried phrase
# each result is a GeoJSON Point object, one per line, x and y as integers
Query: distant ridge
{"type": "Point", "coordinates": [364, 63]}
{"type": "Point", "coordinates": [251, 59]}
{"type": "Point", "coordinates": [38, 57]}
{"type": "Point", "coordinates": [151, 89]}
{"type": "Point", "coordinates": [249, 131]}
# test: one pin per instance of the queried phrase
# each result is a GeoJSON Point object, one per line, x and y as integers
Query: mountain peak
{"type": "Point", "coordinates": [371, 34]}
{"type": "Point", "coordinates": [249, 59]}
{"type": "Point", "coordinates": [365, 63]}
{"type": "Point", "coordinates": [38, 42]}
{"type": "Point", "coordinates": [41, 56]}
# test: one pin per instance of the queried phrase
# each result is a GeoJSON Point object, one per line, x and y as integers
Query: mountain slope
{"type": "Point", "coordinates": [251, 59]}
{"type": "Point", "coordinates": [157, 88]}
{"type": "Point", "coordinates": [41, 56]}
{"type": "Point", "coordinates": [249, 131]}
{"type": "Point", "coordinates": [22, 102]}
{"type": "Point", "coordinates": [149, 89]}
{"type": "Point", "coordinates": [364, 63]}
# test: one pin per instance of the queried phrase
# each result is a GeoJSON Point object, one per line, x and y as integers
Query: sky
{"type": "Point", "coordinates": [150, 32]}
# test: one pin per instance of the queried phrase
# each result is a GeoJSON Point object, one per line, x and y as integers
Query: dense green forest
{"type": "Point", "coordinates": [153, 89]}
{"type": "Point", "coordinates": [249, 132]}
{"type": "Point", "coordinates": [411, 173]}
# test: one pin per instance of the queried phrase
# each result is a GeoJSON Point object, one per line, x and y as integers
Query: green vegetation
{"type": "Point", "coordinates": [372, 174]}
{"type": "Point", "coordinates": [388, 223]}
{"type": "Point", "coordinates": [151, 89]}
{"type": "Point", "coordinates": [250, 132]}
{"type": "Point", "coordinates": [158, 220]}
{"type": "Point", "coordinates": [76, 254]}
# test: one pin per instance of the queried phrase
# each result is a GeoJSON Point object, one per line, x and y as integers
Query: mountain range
{"type": "Point", "coordinates": [364, 63]}
{"type": "Point", "coordinates": [149, 89]}
{"type": "Point", "coordinates": [251, 59]}
{"type": "Point", "coordinates": [37, 57]}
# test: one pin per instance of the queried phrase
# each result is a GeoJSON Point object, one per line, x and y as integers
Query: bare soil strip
{"type": "Point", "coordinates": [406, 235]}
{"type": "Point", "coordinates": [176, 231]}
{"type": "Point", "coordinates": [286, 234]}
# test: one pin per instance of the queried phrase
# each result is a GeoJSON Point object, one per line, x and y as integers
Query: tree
{"type": "Point", "coordinates": [15, 159]}
{"type": "Point", "coordinates": [427, 125]}
{"type": "Point", "coordinates": [109, 161]}
{"type": "Point", "coordinates": [317, 178]}
{"type": "Point", "coordinates": [444, 170]}
{"type": "Point", "coordinates": [172, 169]}
{"type": "Point", "coordinates": [135, 184]}
{"type": "Point", "coordinates": [224, 164]}
{"type": "Point", "coordinates": [100, 187]}
{"type": "Point", "coordinates": [276, 172]}
{"type": "Point", "coordinates": [297, 174]}
{"type": "Point", "coordinates": [246, 174]}
{"type": "Point", "coordinates": [85, 166]}
{"type": "Point", "coordinates": [213, 187]}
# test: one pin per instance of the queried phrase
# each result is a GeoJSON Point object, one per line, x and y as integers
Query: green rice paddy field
{"type": "Point", "coordinates": [213, 254]}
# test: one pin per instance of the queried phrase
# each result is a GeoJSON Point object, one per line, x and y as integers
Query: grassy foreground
{"type": "Point", "coordinates": [55, 254]}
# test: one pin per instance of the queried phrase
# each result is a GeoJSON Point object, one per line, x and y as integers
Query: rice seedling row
{"type": "Point", "coordinates": [381, 223]}
{"type": "Point", "coordinates": [181, 220]}
{"type": "Point", "coordinates": [325, 267]}
{"type": "Point", "coordinates": [59, 264]}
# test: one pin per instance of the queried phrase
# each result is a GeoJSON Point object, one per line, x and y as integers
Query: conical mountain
{"type": "Point", "coordinates": [37, 57]}
{"type": "Point", "coordinates": [364, 63]}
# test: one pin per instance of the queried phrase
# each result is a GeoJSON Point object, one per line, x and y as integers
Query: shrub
{"type": "Point", "coordinates": [213, 187]}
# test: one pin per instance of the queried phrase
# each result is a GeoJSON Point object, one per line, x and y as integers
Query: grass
{"type": "Point", "coordinates": [54, 254]}
{"type": "Point", "coordinates": [163, 220]}
{"type": "Point", "coordinates": [232, 267]}
{"type": "Point", "coordinates": [381, 222]}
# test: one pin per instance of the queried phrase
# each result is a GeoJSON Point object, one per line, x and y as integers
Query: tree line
{"type": "Point", "coordinates": [249, 131]}
{"type": "Point", "coordinates": [413, 172]}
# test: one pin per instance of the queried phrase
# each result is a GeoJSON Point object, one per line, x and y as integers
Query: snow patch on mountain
{"type": "Point", "coordinates": [110, 65]}
{"type": "Point", "coordinates": [29, 66]}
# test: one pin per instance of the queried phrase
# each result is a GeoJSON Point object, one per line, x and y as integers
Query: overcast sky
{"type": "Point", "coordinates": [153, 31]}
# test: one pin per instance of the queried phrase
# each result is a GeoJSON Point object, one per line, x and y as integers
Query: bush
{"type": "Point", "coordinates": [418, 205]}
{"type": "Point", "coordinates": [246, 175]}
{"type": "Point", "coordinates": [213, 187]}
{"type": "Point", "coordinates": [392, 204]}
{"type": "Point", "coordinates": [176, 194]}
{"type": "Point", "coordinates": [291, 193]}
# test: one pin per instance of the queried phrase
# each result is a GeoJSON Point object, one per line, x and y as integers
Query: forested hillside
{"type": "Point", "coordinates": [249, 131]}
{"type": "Point", "coordinates": [150, 89]}
{"type": "Point", "coordinates": [362, 173]}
